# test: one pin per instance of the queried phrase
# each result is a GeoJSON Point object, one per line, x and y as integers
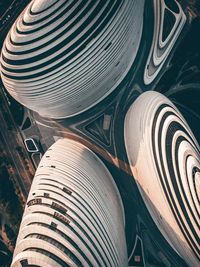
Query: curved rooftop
{"type": "Point", "coordinates": [62, 57]}
{"type": "Point", "coordinates": [74, 214]}
{"type": "Point", "coordinates": [164, 157]}
{"type": "Point", "coordinates": [168, 26]}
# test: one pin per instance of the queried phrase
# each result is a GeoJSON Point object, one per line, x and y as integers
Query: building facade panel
{"type": "Point", "coordinates": [156, 132]}
{"type": "Point", "coordinates": [68, 56]}
{"type": "Point", "coordinates": [74, 214]}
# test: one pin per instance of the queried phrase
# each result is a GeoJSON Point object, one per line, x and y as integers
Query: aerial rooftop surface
{"type": "Point", "coordinates": [99, 133]}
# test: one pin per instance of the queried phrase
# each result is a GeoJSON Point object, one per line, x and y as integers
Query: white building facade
{"type": "Point", "coordinates": [74, 214]}
{"type": "Point", "coordinates": [61, 58]}
{"type": "Point", "coordinates": [164, 157]}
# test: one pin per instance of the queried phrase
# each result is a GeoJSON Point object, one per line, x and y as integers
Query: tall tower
{"type": "Point", "coordinates": [74, 214]}
{"type": "Point", "coordinates": [60, 58]}
{"type": "Point", "coordinates": [165, 161]}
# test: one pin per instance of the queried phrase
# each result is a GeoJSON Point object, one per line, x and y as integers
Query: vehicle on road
{"type": "Point", "coordinates": [31, 145]}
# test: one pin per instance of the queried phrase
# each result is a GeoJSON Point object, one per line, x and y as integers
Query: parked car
{"type": "Point", "coordinates": [31, 145]}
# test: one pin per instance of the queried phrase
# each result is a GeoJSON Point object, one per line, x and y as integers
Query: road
{"type": "Point", "coordinates": [11, 135]}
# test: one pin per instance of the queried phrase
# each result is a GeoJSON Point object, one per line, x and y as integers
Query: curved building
{"type": "Point", "coordinates": [169, 20]}
{"type": "Point", "coordinates": [74, 214]}
{"type": "Point", "coordinates": [62, 57]}
{"type": "Point", "coordinates": [165, 161]}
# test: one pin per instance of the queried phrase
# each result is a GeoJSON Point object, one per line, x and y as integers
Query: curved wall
{"type": "Point", "coordinates": [74, 214]}
{"type": "Point", "coordinates": [60, 58]}
{"type": "Point", "coordinates": [169, 21]}
{"type": "Point", "coordinates": [165, 162]}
